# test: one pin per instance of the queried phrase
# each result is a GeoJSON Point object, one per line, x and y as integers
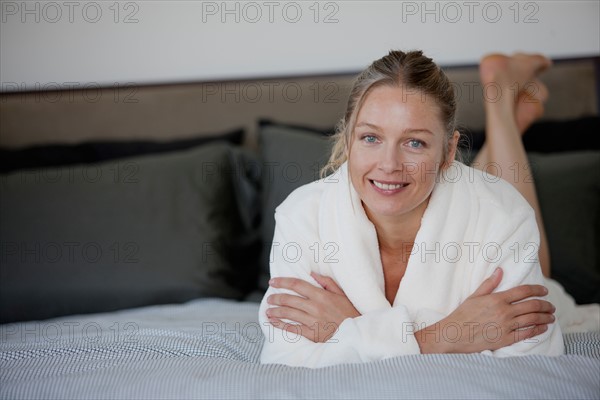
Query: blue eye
{"type": "Point", "coordinates": [369, 139]}
{"type": "Point", "coordinates": [416, 144]}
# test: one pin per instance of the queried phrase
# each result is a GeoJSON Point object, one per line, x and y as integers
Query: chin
{"type": "Point", "coordinates": [392, 207]}
{"type": "Point", "coordinates": [386, 210]}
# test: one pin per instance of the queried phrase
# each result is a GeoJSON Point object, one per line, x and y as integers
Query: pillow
{"type": "Point", "coordinates": [133, 232]}
{"type": "Point", "coordinates": [549, 136]}
{"type": "Point", "coordinates": [264, 122]}
{"type": "Point", "coordinates": [568, 187]}
{"type": "Point", "coordinates": [543, 137]}
{"type": "Point", "coordinates": [291, 157]}
{"type": "Point", "coordinates": [93, 152]}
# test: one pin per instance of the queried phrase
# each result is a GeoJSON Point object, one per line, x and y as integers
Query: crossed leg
{"type": "Point", "coordinates": [516, 105]}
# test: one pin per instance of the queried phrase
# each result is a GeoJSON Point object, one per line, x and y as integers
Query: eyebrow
{"type": "Point", "coordinates": [377, 128]}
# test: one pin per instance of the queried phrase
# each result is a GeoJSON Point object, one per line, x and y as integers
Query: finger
{"type": "Point", "coordinates": [293, 301]}
{"type": "Point", "coordinates": [291, 314]}
{"type": "Point", "coordinates": [532, 306]}
{"type": "Point", "coordinates": [294, 330]}
{"type": "Point", "coordinates": [522, 292]}
{"type": "Point", "coordinates": [522, 334]}
{"type": "Point", "coordinates": [299, 286]}
{"type": "Point", "coordinates": [489, 284]}
{"type": "Point", "coordinates": [282, 299]}
{"type": "Point", "coordinates": [327, 283]}
{"type": "Point", "coordinates": [529, 320]}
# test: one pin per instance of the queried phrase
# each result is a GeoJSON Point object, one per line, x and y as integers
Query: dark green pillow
{"type": "Point", "coordinates": [127, 233]}
{"type": "Point", "coordinates": [291, 157]}
{"type": "Point", "coordinates": [568, 187]}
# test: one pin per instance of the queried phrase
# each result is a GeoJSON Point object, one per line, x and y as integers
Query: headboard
{"type": "Point", "coordinates": [164, 112]}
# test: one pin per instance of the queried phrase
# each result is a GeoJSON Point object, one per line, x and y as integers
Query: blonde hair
{"type": "Point", "coordinates": [411, 70]}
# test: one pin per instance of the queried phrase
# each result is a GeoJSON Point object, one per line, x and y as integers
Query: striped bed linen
{"type": "Point", "coordinates": [209, 348]}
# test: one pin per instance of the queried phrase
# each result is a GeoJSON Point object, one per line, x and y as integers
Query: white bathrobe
{"type": "Point", "coordinates": [473, 223]}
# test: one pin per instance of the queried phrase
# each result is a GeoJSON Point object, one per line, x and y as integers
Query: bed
{"type": "Point", "coordinates": [136, 226]}
{"type": "Point", "coordinates": [209, 348]}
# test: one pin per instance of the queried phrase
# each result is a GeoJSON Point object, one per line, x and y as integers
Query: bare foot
{"type": "Point", "coordinates": [530, 105]}
{"type": "Point", "coordinates": [517, 77]}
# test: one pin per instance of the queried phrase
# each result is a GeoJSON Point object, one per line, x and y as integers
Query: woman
{"type": "Point", "coordinates": [404, 250]}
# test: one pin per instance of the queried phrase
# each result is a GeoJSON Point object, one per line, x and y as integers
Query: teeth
{"type": "Point", "coordinates": [385, 186]}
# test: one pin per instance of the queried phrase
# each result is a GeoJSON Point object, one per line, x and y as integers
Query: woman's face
{"type": "Point", "coordinates": [396, 152]}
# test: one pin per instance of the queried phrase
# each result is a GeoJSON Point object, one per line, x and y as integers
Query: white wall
{"type": "Point", "coordinates": [54, 44]}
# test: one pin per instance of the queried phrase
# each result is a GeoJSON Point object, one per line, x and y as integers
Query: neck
{"type": "Point", "coordinates": [398, 234]}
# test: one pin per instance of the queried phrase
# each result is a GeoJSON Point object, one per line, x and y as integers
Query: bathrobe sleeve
{"type": "Point", "coordinates": [513, 245]}
{"type": "Point", "coordinates": [373, 336]}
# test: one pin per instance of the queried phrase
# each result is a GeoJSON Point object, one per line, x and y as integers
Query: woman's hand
{"type": "Point", "coordinates": [318, 312]}
{"type": "Point", "coordinates": [489, 321]}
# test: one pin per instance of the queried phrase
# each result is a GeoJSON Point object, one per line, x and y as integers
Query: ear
{"type": "Point", "coordinates": [452, 148]}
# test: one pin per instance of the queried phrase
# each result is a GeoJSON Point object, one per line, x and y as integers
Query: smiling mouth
{"type": "Point", "coordinates": [388, 186]}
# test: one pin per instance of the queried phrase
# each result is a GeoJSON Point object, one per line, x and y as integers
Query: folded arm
{"type": "Point", "coordinates": [532, 325]}
{"type": "Point", "coordinates": [385, 333]}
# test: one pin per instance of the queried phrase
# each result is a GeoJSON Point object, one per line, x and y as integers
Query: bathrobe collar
{"type": "Point", "coordinates": [359, 270]}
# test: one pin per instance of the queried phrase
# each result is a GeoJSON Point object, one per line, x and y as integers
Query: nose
{"type": "Point", "coordinates": [390, 160]}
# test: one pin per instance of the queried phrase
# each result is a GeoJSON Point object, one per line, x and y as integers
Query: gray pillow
{"type": "Point", "coordinates": [291, 157]}
{"type": "Point", "coordinates": [125, 233]}
{"type": "Point", "coordinates": [568, 186]}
